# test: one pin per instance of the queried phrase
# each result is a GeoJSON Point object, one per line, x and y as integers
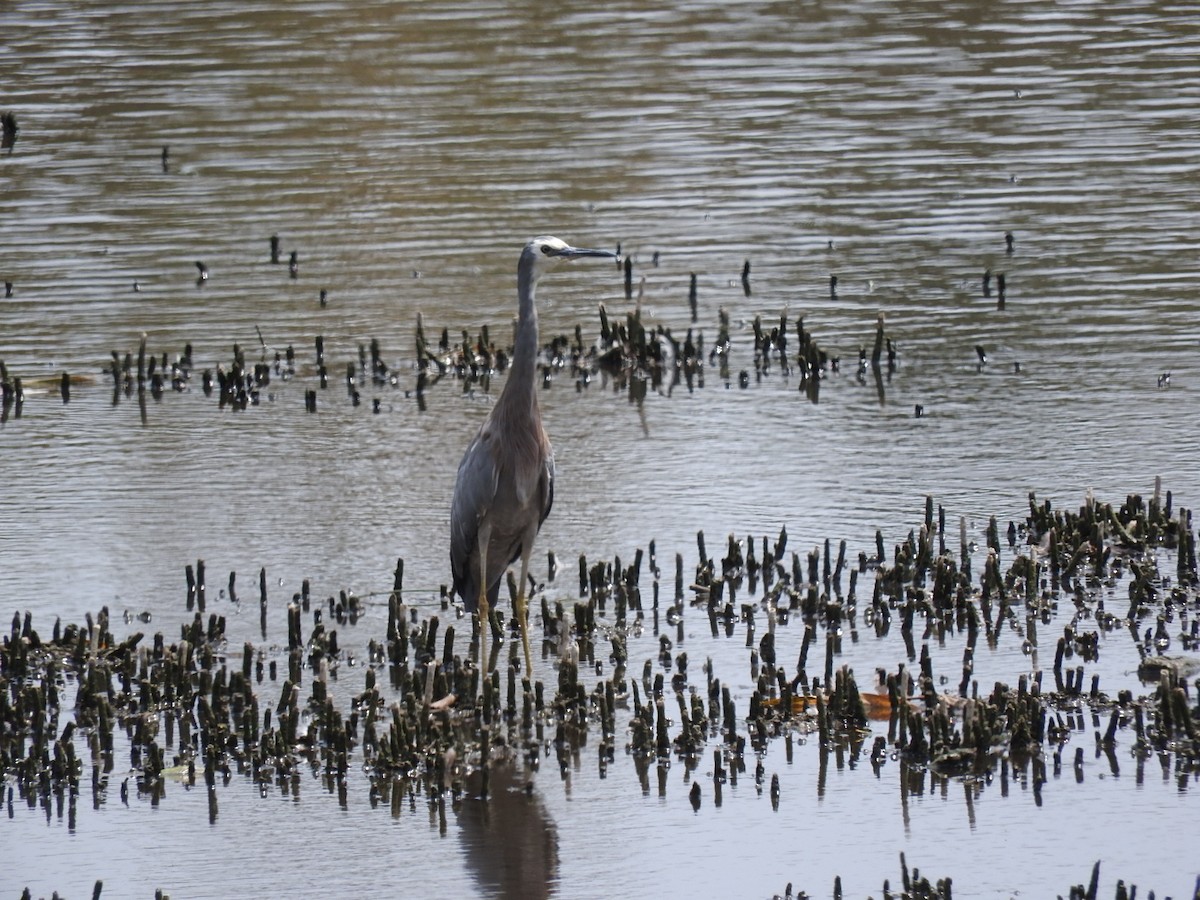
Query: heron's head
{"type": "Point", "coordinates": [544, 251]}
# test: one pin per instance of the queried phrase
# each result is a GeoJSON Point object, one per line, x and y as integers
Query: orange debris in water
{"type": "Point", "coordinates": [878, 706]}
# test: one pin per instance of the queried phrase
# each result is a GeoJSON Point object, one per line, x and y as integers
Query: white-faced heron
{"type": "Point", "coordinates": [505, 483]}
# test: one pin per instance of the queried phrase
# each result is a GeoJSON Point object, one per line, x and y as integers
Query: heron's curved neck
{"type": "Point", "coordinates": [525, 342]}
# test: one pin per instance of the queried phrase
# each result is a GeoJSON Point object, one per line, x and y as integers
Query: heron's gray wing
{"type": "Point", "coordinates": [547, 488]}
{"type": "Point", "coordinates": [474, 493]}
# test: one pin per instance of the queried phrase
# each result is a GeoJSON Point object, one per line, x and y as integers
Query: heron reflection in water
{"type": "Point", "coordinates": [509, 840]}
{"type": "Point", "coordinates": [505, 485]}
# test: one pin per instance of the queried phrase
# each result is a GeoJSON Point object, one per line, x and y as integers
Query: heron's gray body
{"type": "Point", "coordinates": [506, 477]}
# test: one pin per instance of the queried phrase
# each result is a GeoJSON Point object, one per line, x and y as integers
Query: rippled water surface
{"type": "Point", "coordinates": [405, 152]}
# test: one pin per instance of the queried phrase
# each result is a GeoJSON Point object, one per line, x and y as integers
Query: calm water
{"type": "Point", "coordinates": [405, 152]}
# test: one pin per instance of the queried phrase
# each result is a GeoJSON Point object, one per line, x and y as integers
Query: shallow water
{"type": "Point", "coordinates": [405, 152]}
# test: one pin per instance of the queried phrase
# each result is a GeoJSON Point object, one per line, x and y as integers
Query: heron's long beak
{"type": "Point", "coordinates": [577, 252]}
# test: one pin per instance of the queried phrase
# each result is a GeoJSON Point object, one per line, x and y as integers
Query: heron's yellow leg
{"type": "Point", "coordinates": [520, 608]}
{"type": "Point", "coordinates": [485, 624]}
{"type": "Point", "coordinates": [484, 628]}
